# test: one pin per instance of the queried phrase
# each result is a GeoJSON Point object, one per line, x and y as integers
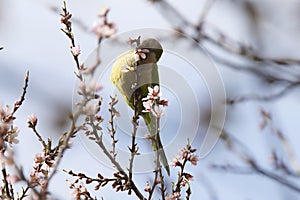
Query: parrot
{"type": "Point", "coordinates": [141, 72]}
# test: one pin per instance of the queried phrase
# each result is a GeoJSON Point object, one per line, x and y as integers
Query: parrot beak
{"type": "Point", "coordinates": [153, 46]}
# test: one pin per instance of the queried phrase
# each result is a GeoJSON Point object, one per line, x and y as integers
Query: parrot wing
{"type": "Point", "coordinates": [124, 81]}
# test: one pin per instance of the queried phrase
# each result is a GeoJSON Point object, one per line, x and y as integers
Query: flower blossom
{"type": "Point", "coordinates": [174, 196]}
{"type": "Point", "coordinates": [75, 50]}
{"type": "Point", "coordinates": [147, 187]}
{"type": "Point", "coordinates": [194, 159]}
{"type": "Point", "coordinates": [8, 131]}
{"type": "Point", "coordinates": [39, 158]}
{"type": "Point", "coordinates": [153, 93]}
{"type": "Point", "coordinates": [140, 54]}
{"type": "Point", "coordinates": [6, 120]}
{"type": "Point", "coordinates": [151, 102]}
{"type": "Point", "coordinates": [91, 109]}
{"type": "Point", "coordinates": [103, 29]}
{"type": "Point", "coordinates": [175, 162]}
{"type": "Point", "coordinates": [91, 88]}
{"type": "Point", "coordinates": [87, 70]}
{"type": "Point", "coordinates": [185, 154]}
{"type": "Point", "coordinates": [148, 106]}
{"type": "Point", "coordinates": [78, 189]}
{"type": "Point", "coordinates": [127, 68]}
{"type": "Point", "coordinates": [32, 121]}
{"type": "Point", "coordinates": [12, 135]}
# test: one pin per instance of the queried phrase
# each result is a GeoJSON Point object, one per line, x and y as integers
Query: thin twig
{"type": "Point", "coordinates": [180, 176]}
{"type": "Point", "coordinates": [267, 121]}
{"type": "Point", "coordinates": [207, 6]}
{"type": "Point", "coordinates": [158, 166]}
{"type": "Point", "coordinates": [158, 175]}
{"type": "Point", "coordinates": [71, 133]}
{"type": "Point", "coordinates": [118, 166]}
{"type": "Point", "coordinates": [23, 178]}
{"type": "Point", "coordinates": [276, 178]}
{"type": "Point", "coordinates": [249, 159]}
{"type": "Point", "coordinates": [112, 129]}
{"type": "Point", "coordinates": [6, 185]}
{"type": "Point", "coordinates": [39, 137]}
{"type": "Point", "coordinates": [260, 170]}
{"type": "Point", "coordinates": [133, 149]}
{"type": "Point", "coordinates": [99, 142]}
{"type": "Point", "coordinates": [22, 98]}
{"type": "Point", "coordinates": [24, 192]}
{"type": "Point", "coordinates": [89, 180]}
{"type": "Point", "coordinates": [179, 22]}
{"type": "Point", "coordinates": [66, 15]}
{"type": "Point", "coordinates": [271, 97]}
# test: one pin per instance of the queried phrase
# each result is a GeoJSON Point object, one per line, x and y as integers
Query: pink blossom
{"type": "Point", "coordinates": [148, 136]}
{"type": "Point", "coordinates": [76, 50]}
{"type": "Point", "coordinates": [147, 187]}
{"type": "Point", "coordinates": [154, 92]}
{"type": "Point", "coordinates": [141, 54]}
{"type": "Point", "coordinates": [151, 101]}
{"type": "Point", "coordinates": [175, 162]}
{"type": "Point", "coordinates": [103, 29]}
{"type": "Point", "coordinates": [78, 190]}
{"type": "Point", "coordinates": [194, 159]}
{"type": "Point", "coordinates": [12, 135]}
{"type": "Point", "coordinates": [36, 177]}
{"type": "Point", "coordinates": [184, 153]}
{"type": "Point", "coordinates": [39, 158]}
{"type": "Point", "coordinates": [92, 87]}
{"type": "Point", "coordinates": [4, 127]}
{"type": "Point", "coordinates": [157, 111]}
{"type": "Point", "coordinates": [127, 68]}
{"type": "Point", "coordinates": [148, 106]}
{"type": "Point", "coordinates": [7, 159]}
{"type": "Point", "coordinates": [82, 87]}
{"type": "Point", "coordinates": [87, 70]}
{"type": "Point", "coordinates": [4, 112]}
{"type": "Point", "coordinates": [32, 120]}
{"type": "Point", "coordinates": [174, 196]}
{"type": "Point", "coordinates": [91, 109]}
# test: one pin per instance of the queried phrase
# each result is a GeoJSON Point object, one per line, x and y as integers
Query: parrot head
{"type": "Point", "coordinates": [154, 47]}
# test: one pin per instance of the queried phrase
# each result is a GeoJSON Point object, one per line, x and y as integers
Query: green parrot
{"type": "Point", "coordinates": [132, 73]}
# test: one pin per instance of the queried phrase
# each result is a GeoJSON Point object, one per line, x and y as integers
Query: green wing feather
{"type": "Point", "coordinates": [124, 81]}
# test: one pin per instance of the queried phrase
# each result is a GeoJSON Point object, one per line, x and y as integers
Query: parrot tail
{"type": "Point", "coordinates": [150, 121]}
